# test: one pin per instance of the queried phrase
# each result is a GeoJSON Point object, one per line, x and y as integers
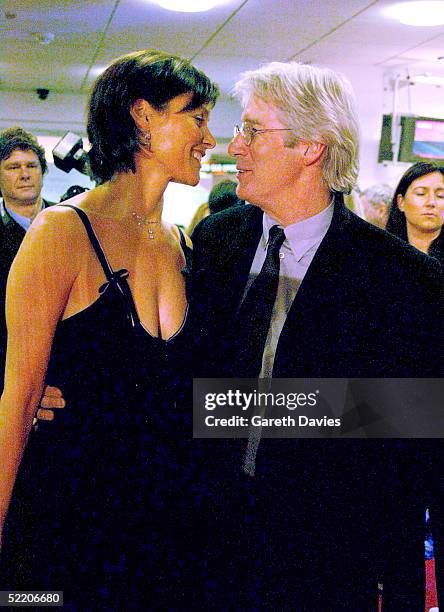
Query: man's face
{"type": "Point", "coordinates": [21, 177]}
{"type": "Point", "coordinates": [375, 214]}
{"type": "Point", "coordinates": [268, 171]}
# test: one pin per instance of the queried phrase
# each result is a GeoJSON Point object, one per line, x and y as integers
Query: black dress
{"type": "Point", "coordinates": [97, 510]}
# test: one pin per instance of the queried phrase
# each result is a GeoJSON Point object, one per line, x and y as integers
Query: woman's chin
{"type": "Point", "coordinates": [192, 181]}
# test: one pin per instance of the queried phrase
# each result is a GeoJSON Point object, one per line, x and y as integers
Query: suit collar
{"type": "Point", "coordinates": [250, 228]}
{"type": "Point", "coordinates": [247, 236]}
{"type": "Point", "coordinates": [6, 218]}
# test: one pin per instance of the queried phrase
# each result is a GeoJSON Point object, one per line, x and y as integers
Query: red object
{"type": "Point", "coordinates": [431, 596]}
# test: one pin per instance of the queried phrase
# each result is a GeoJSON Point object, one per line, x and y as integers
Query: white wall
{"type": "Point", "coordinates": [58, 114]}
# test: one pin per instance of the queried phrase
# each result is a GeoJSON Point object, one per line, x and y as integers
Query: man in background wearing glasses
{"type": "Point", "coordinates": [318, 522]}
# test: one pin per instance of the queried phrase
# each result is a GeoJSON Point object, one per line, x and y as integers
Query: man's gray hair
{"type": "Point", "coordinates": [319, 105]}
{"type": "Point", "coordinates": [379, 194]}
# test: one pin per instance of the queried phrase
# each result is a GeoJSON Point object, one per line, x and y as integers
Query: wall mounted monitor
{"type": "Point", "coordinates": [422, 138]}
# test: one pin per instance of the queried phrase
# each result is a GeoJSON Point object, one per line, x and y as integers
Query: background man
{"type": "Point", "coordinates": [22, 166]}
{"type": "Point", "coordinates": [298, 286]}
{"type": "Point", "coordinates": [375, 202]}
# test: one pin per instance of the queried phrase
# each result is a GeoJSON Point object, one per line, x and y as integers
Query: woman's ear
{"type": "Point", "coordinates": [140, 112]}
{"type": "Point", "coordinates": [400, 202]}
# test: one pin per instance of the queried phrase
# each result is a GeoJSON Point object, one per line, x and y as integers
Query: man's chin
{"type": "Point", "coordinates": [241, 193]}
{"type": "Point", "coordinates": [25, 199]}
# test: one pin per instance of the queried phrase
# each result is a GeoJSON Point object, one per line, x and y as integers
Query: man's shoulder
{"type": "Point", "coordinates": [232, 216]}
{"type": "Point", "coordinates": [379, 246]}
{"type": "Point", "coordinates": [230, 222]}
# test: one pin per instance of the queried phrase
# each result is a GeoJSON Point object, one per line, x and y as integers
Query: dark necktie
{"type": "Point", "coordinates": [254, 315]}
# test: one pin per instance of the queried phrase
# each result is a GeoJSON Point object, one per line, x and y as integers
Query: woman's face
{"type": "Point", "coordinates": [179, 140]}
{"type": "Point", "coordinates": [423, 203]}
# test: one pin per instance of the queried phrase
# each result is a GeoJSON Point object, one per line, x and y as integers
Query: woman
{"type": "Point", "coordinates": [97, 302]}
{"type": "Point", "coordinates": [417, 211]}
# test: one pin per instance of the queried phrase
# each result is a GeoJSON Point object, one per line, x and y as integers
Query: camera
{"type": "Point", "coordinates": [69, 153]}
{"type": "Point", "coordinates": [42, 93]}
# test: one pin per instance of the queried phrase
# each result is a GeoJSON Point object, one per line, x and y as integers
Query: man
{"type": "Point", "coordinates": [309, 524]}
{"type": "Point", "coordinates": [319, 522]}
{"type": "Point", "coordinates": [22, 166]}
{"type": "Point", "coordinates": [375, 203]}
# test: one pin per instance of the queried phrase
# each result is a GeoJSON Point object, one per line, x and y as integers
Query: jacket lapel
{"type": "Point", "coordinates": [238, 257]}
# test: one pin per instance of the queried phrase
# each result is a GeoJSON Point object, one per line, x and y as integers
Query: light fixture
{"type": "Point", "coordinates": [190, 6]}
{"type": "Point", "coordinates": [426, 13]}
{"type": "Point", "coordinates": [428, 79]}
{"type": "Point", "coordinates": [43, 38]}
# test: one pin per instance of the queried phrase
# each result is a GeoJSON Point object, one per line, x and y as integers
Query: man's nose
{"type": "Point", "coordinates": [237, 146]}
{"type": "Point", "coordinates": [24, 172]}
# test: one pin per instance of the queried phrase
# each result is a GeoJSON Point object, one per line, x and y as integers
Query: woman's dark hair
{"type": "Point", "coordinates": [151, 75]}
{"type": "Point", "coordinates": [396, 223]}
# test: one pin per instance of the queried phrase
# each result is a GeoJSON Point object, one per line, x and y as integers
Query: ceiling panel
{"type": "Point", "coordinates": [72, 31]}
{"type": "Point", "coordinates": [226, 41]}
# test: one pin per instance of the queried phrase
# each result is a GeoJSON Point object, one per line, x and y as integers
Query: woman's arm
{"type": "Point", "coordinates": [39, 285]}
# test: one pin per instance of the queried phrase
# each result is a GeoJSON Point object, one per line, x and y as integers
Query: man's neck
{"type": "Point", "coordinates": [25, 209]}
{"type": "Point", "coordinates": [305, 203]}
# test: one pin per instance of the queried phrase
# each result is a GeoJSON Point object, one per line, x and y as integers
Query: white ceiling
{"type": "Point", "coordinates": [237, 36]}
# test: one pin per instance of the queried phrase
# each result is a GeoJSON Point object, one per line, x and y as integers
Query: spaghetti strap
{"type": "Point", "coordinates": [115, 278]}
{"type": "Point", "coordinates": [94, 241]}
{"type": "Point", "coordinates": [187, 251]}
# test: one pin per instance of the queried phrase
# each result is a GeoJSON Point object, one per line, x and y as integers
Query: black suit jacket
{"type": "Point", "coordinates": [370, 305]}
{"type": "Point", "coordinates": [322, 520]}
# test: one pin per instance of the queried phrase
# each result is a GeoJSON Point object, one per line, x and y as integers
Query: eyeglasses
{"type": "Point", "coordinates": [248, 132]}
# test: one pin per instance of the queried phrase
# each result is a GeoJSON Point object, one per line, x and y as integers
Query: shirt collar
{"type": "Point", "coordinates": [24, 222]}
{"type": "Point", "coordinates": [304, 235]}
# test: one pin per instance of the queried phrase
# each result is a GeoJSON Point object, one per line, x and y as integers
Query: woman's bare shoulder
{"type": "Point", "coordinates": [59, 223]}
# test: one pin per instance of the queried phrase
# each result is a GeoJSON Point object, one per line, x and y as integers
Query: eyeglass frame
{"type": "Point", "coordinates": [240, 129]}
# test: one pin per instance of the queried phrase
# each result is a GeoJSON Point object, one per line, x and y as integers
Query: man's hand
{"type": "Point", "coordinates": [52, 399]}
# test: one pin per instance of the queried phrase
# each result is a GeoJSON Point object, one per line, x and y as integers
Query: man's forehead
{"type": "Point", "coordinates": [21, 155]}
{"type": "Point", "coordinates": [257, 110]}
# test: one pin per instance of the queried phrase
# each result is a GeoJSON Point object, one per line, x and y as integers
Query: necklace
{"type": "Point", "coordinates": [143, 222]}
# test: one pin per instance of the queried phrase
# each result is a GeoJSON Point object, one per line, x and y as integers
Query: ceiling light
{"type": "Point", "coordinates": [417, 13]}
{"type": "Point", "coordinates": [428, 79]}
{"type": "Point", "coordinates": [190, 6]}
{"type": "Point", "coordinates": [43, 38]}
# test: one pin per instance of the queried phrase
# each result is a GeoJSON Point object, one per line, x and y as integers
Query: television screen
{"type": "Point", "coordinates": [429, 139]}
{"type": "Point", "coordinates": [421, 138]}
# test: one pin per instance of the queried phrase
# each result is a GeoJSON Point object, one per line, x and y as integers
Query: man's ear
{"type": "Point", "coordinates": [140, 112]}
{"type": "Point", "coordinates": [312, 152]}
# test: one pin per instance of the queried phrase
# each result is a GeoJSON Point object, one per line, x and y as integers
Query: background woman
{"type": "Point", "coordinates": [97, 303]}
{"type": "Point", "coordinates": [417, 210]}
